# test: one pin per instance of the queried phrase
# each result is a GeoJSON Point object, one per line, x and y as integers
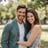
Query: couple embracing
{"type": "Point", "coordinates": [19, 34]}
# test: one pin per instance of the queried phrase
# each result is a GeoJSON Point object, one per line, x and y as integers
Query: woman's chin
{"type": "Point", "coordinates": [31, 22]}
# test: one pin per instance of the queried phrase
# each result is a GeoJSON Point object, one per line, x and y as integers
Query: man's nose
{"type": "Point", "coordinates": [22, 14]}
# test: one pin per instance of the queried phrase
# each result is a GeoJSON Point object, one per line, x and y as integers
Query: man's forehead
{"type": "Point", "coordinates": [22, 9]}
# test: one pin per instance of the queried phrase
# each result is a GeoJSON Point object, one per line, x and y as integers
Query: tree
{"type": "Point", "coordinates": [35, 4]}
{"type": "Point", "coordinates": [39, 4]}
{"type": "Point", "coordinates": [0, 0]}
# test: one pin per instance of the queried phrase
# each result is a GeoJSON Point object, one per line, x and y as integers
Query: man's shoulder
{"type": "Point", "coordinates": [10, 24]}
{"type": "Point", "coordinates": [14, 21]}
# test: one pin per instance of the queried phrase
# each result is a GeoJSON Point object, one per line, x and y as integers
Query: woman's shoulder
{"type": "Point", "coordinates": [37, 26]}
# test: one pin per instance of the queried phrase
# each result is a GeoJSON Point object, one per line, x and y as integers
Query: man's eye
{"type": "Point", "coordinates": [23, 12]}
{"type": "Point", "coordinates": [19, 11]}
{"type": "Point", "coordinates": [28, 17]}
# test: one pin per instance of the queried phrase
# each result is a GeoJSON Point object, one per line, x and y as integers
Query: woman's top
{"type": "Point", "coordinates": [37, 39]}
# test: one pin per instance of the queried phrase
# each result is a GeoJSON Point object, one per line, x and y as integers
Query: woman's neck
{"type": "Point", "coordinates": [32, 25]}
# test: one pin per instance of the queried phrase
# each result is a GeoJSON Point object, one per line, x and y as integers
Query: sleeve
{"type": "Point", "coordinates": [5, 36]}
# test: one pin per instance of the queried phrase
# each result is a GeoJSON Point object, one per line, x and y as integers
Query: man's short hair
{"type": "Point", "coordinates": [21, 6]}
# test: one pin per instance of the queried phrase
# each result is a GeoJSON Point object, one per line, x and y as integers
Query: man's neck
{"type": "Point", "coordinates": [19, 21]}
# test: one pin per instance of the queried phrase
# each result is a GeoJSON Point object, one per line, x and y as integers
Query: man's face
{"type": "Point", "coordinates": [21, 13]}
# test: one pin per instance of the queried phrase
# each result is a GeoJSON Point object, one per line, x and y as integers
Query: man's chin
{"type": "Point", "coordinates": [21, 18]}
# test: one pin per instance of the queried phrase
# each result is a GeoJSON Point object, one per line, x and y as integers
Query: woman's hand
{"type": "Point", "coordinates": [25, 43]}
{"type": "Point", "coordinates": [39, 45]}
{"type": "Point", "coordinates": [18, 42]}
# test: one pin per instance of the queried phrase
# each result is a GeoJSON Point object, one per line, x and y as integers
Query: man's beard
{"type": "Point", "coordinates": [20, 19]}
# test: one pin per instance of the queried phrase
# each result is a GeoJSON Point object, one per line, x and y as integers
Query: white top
{"type": "Point", "coordinates": [21, 33]}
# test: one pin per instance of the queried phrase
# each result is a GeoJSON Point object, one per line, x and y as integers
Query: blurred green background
{"type": "Point", "coordinates": [8, 11]}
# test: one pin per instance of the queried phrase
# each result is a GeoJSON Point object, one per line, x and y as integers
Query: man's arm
{"type": "Point", "coordinates": [5, 36]}
{"type": "Point", "coordinates": [34, 34]}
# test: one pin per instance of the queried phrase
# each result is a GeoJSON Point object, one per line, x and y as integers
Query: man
{"type": "Point", "coordinates": [15, 30]}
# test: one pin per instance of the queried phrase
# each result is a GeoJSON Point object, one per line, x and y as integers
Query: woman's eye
{"type": "Point", "coordinates": [23, 12]}
{"type": "Point", "coordinates": [31, 16]}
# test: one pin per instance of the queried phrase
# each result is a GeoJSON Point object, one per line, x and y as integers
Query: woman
{"type": "Point", "coordinates": [33, 29]}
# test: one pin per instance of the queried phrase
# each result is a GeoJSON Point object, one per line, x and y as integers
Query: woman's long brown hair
{"type": "Point", "coordinates": [37, 21]}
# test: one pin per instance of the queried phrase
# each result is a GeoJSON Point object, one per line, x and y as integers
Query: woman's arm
{"type": "Point", "coordinates": [39, 45]}
{"type": "Point", "coordinates": [32, 37]}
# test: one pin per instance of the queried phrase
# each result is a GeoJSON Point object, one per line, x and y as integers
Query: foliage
{"type": "Point", "coordinates": [0, 0]}
{"type": "Point", "coordinates": [9, 10]}
{"type": "Point", "coordinates": [44, 44]}
{"type": "Point", "coordinates": [40, 6]}
{"type": "Point", "coordinates": [35, 4]}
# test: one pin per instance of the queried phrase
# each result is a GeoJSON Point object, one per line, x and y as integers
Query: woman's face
{"type": "Point", "coordinates": [30, 18]}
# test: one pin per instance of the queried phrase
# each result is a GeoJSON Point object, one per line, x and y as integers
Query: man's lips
{"type": "Point", "coordinates": [22, 16]}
